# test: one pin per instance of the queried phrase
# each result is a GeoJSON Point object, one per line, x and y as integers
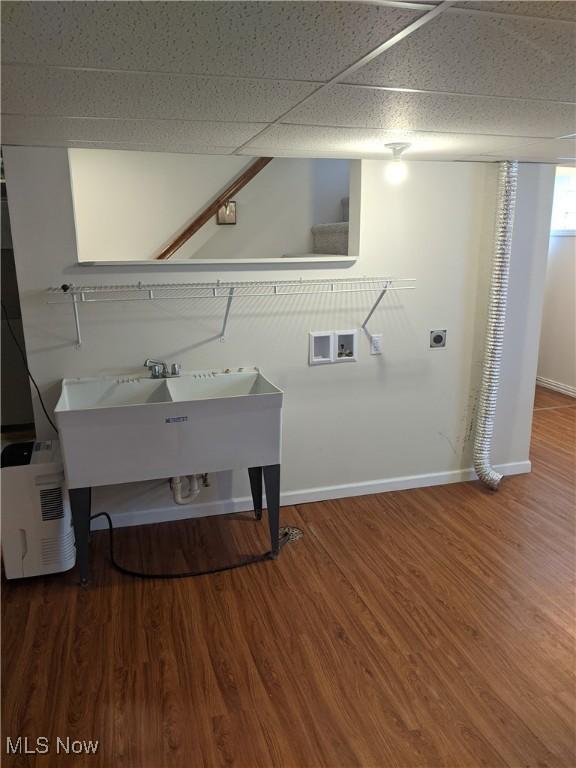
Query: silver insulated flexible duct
{"type": "Point", "coordinates": [508, 175]}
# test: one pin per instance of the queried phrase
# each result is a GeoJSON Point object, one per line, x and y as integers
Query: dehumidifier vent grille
{"type": "Point", "coordinates": [58, 549]}
{"type": "Point", "coordinates": [51, 504]}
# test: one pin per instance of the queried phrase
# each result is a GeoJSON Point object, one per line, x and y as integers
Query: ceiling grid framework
{"type": "Point", "coordinates": [458, 80]}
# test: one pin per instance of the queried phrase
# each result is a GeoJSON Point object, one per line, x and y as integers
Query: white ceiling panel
{"type": "Point", "coordinates": [56, 131]}
{"type": "Point", "coordinates": [549, 9]}
{"type": "Point", "coordinates": [91, 93]}
{"type": "Point", "coordinates": [294, 40]}
{"type": "Point", "coordinates": [209, 76]}
{"type": "Point", "coordinates": [355, 142]}
{"type": "Point", "coordinates": [131, 146]}
{"type": "Point", "coordinates": [351, 106]}
{"type": "Point", "coordinates": [551, 150]}
{"type": "Point", "coordinates": [482, 54]}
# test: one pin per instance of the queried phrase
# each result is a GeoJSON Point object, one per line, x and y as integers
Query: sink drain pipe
{"type": "Point", "coordinates": [193, 489]}
{"type": "Point", "coordinates": [507, 181]}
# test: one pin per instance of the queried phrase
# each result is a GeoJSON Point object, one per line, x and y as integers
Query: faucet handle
{"type": "Point", "coordinates": [175, 370]}
{"type": "Point", "coordinates": [157, 368]}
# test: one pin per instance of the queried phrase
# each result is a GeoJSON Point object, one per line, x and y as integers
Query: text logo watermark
{"type": "Point", "coordinates": [42, 745]}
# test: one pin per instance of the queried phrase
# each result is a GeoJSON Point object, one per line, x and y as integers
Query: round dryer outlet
{"type": "Point", "coordinates": [437, 339]}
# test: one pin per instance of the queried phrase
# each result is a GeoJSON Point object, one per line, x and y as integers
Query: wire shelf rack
{"type": "Point", "coordinates": [228, 290]}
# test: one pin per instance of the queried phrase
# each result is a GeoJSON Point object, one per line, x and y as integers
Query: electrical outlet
{"type": "Point", "coordinates": [376, 344]}
{"type": "Point", "coordinates": [437, 339]}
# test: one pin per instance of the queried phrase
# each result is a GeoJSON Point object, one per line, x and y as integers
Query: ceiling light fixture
{"type": "Point", "coordinates": [396, 171]}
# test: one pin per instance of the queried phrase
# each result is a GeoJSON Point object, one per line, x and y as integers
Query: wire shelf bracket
{"type": "Point", "coordinates": [77, 295]}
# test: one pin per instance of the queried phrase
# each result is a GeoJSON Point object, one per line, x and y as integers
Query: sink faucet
{"type": "Point", "coordinates": [159, 369]}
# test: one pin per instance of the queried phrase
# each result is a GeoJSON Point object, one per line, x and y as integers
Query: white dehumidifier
{"type": "Point", "coordinates": [37, 533]}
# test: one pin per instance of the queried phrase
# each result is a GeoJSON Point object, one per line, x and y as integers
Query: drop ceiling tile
{"type": "Point", "coordinates": [55, 131]}
{"type": "Point", "coordinates": [549, 9]}
{"type": "Point", "coordinates": [353, 106]}
{"type": "Point", "coordinates": [91, 93]}
{"type": "Point", "coordinates": [564, 10]}
{"type": "Point", "coordinates": [478, 159]}
{"type": "Point", "coordinates": [482, 54]}
{"type": "Point", "coordinates": [294, 40]}
{"type": "Point", "coordinates": [549, 151]}
{"type": "Point", "coordinates": [298, 140]}
{"type": "Point", "coordinates": [186, 149]}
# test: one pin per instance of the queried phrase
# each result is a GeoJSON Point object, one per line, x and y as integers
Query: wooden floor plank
{"type": "Point", "coordinates": [549, 398]}
{"type": "Point", "coordinates": [431, 628]}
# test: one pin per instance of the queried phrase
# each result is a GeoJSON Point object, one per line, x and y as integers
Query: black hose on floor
{"type": "Point", "coordinates": [287, 534]}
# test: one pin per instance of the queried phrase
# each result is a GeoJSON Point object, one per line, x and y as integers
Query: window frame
{"type": "Point", "coordinates": [564, 232]}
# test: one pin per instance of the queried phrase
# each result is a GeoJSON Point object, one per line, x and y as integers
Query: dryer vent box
{"type": "Point", "coordinates": [37, 533]}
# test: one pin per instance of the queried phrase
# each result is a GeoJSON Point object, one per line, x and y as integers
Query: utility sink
{"type": "Point", "coordinates": [123, 429]}
{"type": "Point", "coordinates": [80, 394]}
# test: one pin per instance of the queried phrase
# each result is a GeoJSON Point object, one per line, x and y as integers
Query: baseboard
{"type": "Point", "coordinates": [395, 484]}
{"type": "Point", "coordinates": [305, 496]}
{"type": "Point", "coordinates": [565, 389]}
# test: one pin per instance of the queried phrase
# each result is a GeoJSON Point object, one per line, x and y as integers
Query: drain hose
{"type": "Point", "coordinates": [508, 175]}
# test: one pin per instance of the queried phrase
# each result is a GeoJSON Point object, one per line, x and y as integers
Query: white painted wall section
{"type": "Point", "coordinates": [402, 419]}
{"type": "Point", "coordinates": [557, 360]}
{"type": "Point", "coordinates": [524, 314]}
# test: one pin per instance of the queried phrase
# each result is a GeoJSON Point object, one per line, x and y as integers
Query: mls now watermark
{"type": "Point", "coordinates": [42, 745]}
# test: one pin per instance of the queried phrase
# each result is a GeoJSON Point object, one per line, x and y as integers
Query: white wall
{"type": "Point", "coordinates": [399, 420]}
{"type": "Point", "coordinates": [130, 205]}
{"type": "Point", "coordinates": [524, 314]}
{"type": "Point", "coordinates": [557, 360]}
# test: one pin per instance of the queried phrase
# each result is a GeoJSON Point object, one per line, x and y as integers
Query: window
{"type": "Point", "coordinates": [564, 206]}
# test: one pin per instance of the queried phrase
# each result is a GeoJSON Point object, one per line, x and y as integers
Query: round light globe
{"type": "Point", "coordinates": [396, 172]}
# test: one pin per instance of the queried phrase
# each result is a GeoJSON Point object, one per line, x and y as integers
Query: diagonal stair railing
{"type": "Point", "coordinates": [212, 208]}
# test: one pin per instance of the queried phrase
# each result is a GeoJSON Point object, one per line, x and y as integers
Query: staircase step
{"type": "Point", "coordinates": [331, 238]}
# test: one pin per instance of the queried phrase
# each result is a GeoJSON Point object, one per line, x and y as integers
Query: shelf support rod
{"type": "Point", "coordinates": [375, 305]}
{"type": "Point", "coordinates": [76, 320]}
{"type": "Point", "coordinates": [226, 314]}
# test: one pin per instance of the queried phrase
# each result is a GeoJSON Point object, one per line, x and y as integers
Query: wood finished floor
{"type": "Point", "coordinates": [423, 628]}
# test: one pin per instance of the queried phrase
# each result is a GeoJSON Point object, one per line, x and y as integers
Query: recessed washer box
{"type": "Point", "coordinates": [321, 347]}
{"type": "Point", "coordinates": [333, 347]}
{"type": "Point", "coordinates": [346, 346]}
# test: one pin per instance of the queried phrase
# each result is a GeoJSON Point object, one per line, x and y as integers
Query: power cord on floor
{"type": "Point", "coordinates": [25, 361]}
{"type": "Point", "coordinates": [286, 536]}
